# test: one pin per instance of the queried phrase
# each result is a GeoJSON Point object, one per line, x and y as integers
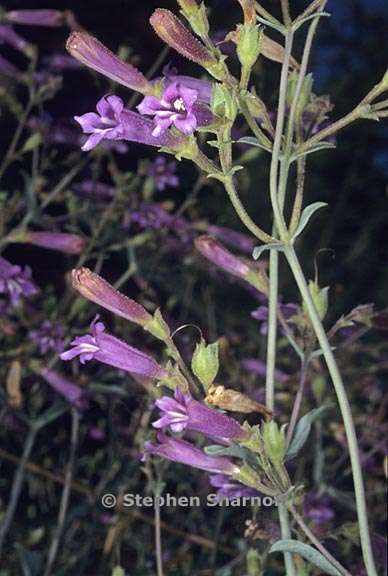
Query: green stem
{"type": "Point", "coordinates": [243, 214]}
{"type": "Point", "coordinates": [286, 535]}
{"type": "Point", "coordinates": [344, 406]}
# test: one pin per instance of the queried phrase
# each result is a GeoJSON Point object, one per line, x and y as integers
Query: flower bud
{"type": "Point", "coordinates": [224, 102]}
{"type": "Point", "coordinates": [61, 241]}
{"type": "Point", "coordinates": [274, 442]}
{"type": "Point", "coordinates": [320, 298]}
{"type": "Point", "coordinates": [196, 15]}
{"type": "Point", "coordinates": [50, 18]}
{"type": "Point", "coordinates": [204, 362]}
{"type": "Point", "coordinates": [171, 30]}
{"type": "Point", "coordinates": [248, 44]}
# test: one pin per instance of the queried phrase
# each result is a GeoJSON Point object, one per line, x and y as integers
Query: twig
{"type": "Point", "coordinates": [65, 493]}
{"type": "Point", "coordinates": [17, 485]}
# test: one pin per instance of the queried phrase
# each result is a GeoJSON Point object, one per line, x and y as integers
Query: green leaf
{"type": "Point", "coordinates": [302, 431]}
{"type": "Point", "coordinates": [300, 23]}
{"type": "Point", "coordinates": [306, 215]}
{"type": "Point", "coordinates": [32, 142]}
{"type": "Point", "coordinates": [258, 250]}
{"type": "Point", "coordinates": [307, 552]}
{"type": "Point", "coordinates": [118, 571]}
{"type": "Point", "coordinates": [314, 148]}
{"type": "Point", "coordinates": [218, 450]}
{"type": "Point", "coordinates": [251, 141]}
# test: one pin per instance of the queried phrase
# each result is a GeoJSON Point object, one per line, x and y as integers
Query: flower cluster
{"type": "Point", "coordinates": [181, 102]}
{"type": "Point", "coordinates": [15, 282]}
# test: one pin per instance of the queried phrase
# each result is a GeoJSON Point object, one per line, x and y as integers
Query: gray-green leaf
{"type": "Point", "coordinates": [302, 431]}
{"type": "Point", "coordinates": [258, 250]}
{"type": "Point", "coordinates": [307, 552]}
{"type": "Point", "coordinates": [306, 215]}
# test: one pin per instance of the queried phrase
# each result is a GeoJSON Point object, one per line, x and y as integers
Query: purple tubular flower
{"type": "Point", "coordinates": [184, 413]}
{"type": "Point", "coordinates": [15, 282]}
{"type": "Point", "coordinates": [175, 107]}
{"type": "Point", "coordinates": [229, 488]}
{"type": "Point", "coordinates": [108, 349]}
{"type": "Point", "coordinates": [186, 453]}
{"type": "Point", "coordinates": [221, 257]}
{"type": "Point", "coordinates": [234, 239]}
{"type": "Point", "coordinates": [70, 391]}
{"type": "Point", "coordinates": [8, 69]}
{"type": "Point", "coordinates": [61, 62]}
{"type": "Point", "coordinates": [99, 291]}
{"type": "Point", "coordinates": [114, 122]}
{"type": "Point", "coordinates": [203, 88]}
{"type": "Point", "coordinates": [61, 241]}
{"type": "Point", "coordinates": [95, 55]}
{"type": "Point", "coordinates": [94, 190]}
{"type": "Point", "coordinates": [50, 18]}
{"type": "Point", "coordinates": [48, 336]}
{"type": "Point", "coordinates": [163, 173]}
{"type": "Point", "coordinates": [12, 38]}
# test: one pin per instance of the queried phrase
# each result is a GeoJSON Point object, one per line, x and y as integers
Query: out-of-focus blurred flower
{"type": "Point", "coordinates": [59, 62]}
{"type": "Point", "coordinates": [233, 239]}
{"type": "Point", "coordinates": [186, 453]}
{"type": "Point", "coordinates": [9, 69]}
{"type": "Point", "coordinates": [94, 190]}
{"type": "Point", "coordinates": [98, 57]}
{"type": "Point", "coordinates": [50, 18]}
{"type": "Point", "coordinates": [49, 336]}
{"type": "Point", "coordinates": [12, 38]}
{"type": "Point", "coordinates": [175, 107]}
{"type": "Point", "coordinates": [16, 282]}
{"type": "Point", "coordinates": [105, 348]}
{"type": "Point", "coordinates": [221, 257]}
{"type": "Point", "coordinates": [66, 388]}
{"type": "Point", "coordinates": [163, 173]}
{"type": "Point", "coordinates": [60, 241]}
{"type": "Point", "coordinates": [184, 413]}
{"type": "Point", "coordinates": [259, 367]}
{"type": "Point", "coordinates": [114, 122]}
{"type": "Point", "coordinates": [318, 509]}
{"type": "Point", "coordinates": [261, 314]}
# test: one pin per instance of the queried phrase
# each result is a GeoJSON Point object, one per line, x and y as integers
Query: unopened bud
{"type": "Point", "coordinates": [205, 363]}
{"type": "Point", "coordinates": [274, 442]}
{"type": "Point", "coordinates": [195, 14]}
{"type": "Point", "coordinates": [171, 30]}
{"type": "Point", "coordinates": [248, 45]}
{"type": "Point", "coordinates": [320, 298]}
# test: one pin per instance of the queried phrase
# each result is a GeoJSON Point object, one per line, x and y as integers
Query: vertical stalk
{"type": "Point", "coordinates": [17, 485]}
{"type": "Point", "coordinates": [344, 406]}
{"type": "Point", "coordinates": [277, 193]}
